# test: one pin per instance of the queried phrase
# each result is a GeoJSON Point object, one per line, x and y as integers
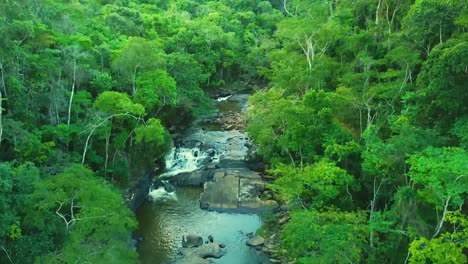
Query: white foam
{"type": "Point", "coordinates": [220, 99]}
{"type": "Point", "coordinates": [161, 194]}
{"type": "Point", "coordinates": [181, 160]}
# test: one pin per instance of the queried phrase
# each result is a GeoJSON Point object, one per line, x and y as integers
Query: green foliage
{"type": "Point", "coordinates": [93, 214]}
{"type": "Point", "coordinates": [447, 248]}
{"type": "Point", "coordinates": [460, 129]}
{"type": "Point", "coordinates": [32, 149]}
{"type": "Point", "coordinates": [373, 89]}
{"type": "Point", "coordinates": [153, 132]}
{"type": "Point", "coordinates": [326, 237]}
{"type": "Point", "coordinates": [118, 103]}
{"type": "Point", "coordinates": [376, 88]}
{"type": "Point", "coordinates": [16, 186]}
{"type": "Point", "coordinates": [291, 129]}
{"type": "Point", "coordinates": [441, 96]}
{"type": "Point", "coordinates": [441, 172]}
{"type": "Point", "coordinates": [155, 89]}
{"type": "Point", "coordinates": [431, 21]}
{"type": "Point", "coordinates": [317, 185]}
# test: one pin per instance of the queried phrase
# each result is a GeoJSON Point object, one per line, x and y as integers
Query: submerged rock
{"type": "Point", "coordinates": [255, 241]}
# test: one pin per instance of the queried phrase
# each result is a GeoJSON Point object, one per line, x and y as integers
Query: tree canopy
{"type": "Point", "coordinates": [360, 113]}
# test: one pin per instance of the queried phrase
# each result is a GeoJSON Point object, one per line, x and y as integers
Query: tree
{"type": "Point", "coordinates": [440, 97]}
{"type": "Point", "coordinates": [113, 104]}
{"type": "Point", "coordinates": [137, 54]}
{"type": "Point", "coordinates": [156, 89]}
{"type": "Point", "coordinates": [330, 236]}
{"type": "Point", "coordinates": [314, 186]}
{"type": "Point", "coordinates": [431, 22]}
{"type": "Point", "coordinates": [96, 221]}
{"type": "Point", "coordinates": [441, 172]}
{"type": "Point", "coordinates": [293, 130]}
{"type": "Point", "coordinates": [447, 248]}
{"type": "Point", "coordinates": [19, 241]}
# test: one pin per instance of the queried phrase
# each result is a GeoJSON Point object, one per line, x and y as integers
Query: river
{"type": "Point", "coordinates": [167, 216]}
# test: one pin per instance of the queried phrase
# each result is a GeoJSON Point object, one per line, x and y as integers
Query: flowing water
{"type": "Point", "coordinates": [172, 212]}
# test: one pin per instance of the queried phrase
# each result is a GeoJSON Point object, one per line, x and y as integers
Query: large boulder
{"type": "Point", "coordinates": [255, 241]}
{"type": "Point", "coordinates": [192, 241]}
{"type": "Point", "coordinates": [211, 250]}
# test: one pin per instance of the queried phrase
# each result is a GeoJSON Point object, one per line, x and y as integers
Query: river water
{"type": "Point", "coordinates": [167, 216]}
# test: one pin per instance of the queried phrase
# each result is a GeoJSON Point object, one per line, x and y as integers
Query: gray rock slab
{"type": "Point", "coordinates": [234, 190]}
{"type": "Point", "coordinates": [255, 241]}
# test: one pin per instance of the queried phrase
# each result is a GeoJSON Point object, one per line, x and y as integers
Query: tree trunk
{"type": "Point", "coordinates": [372, 209]}
{"type": "Point", "coordinates": [134, 80]}
{"type": "Point", "coordinates": [377, 12]}
{"type": "Point", "coordinates": [72, 89]}
{"type": "Point", "coordinates": [2, 83]}
{"type": "Point", "coordinates": [285, 7]}
{"type": "Point", "coordinates": [441, 222]}
{"type": "Point", "coordinates": [107, 152]}
{"type": "Point", "coordinates": [1, 124]}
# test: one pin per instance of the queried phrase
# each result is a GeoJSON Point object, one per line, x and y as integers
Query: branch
{"type": "Point", "coordinates": [441, 223]}
{"type": "Point", "coordinates": [300, 200]}
{"type": "Point", "coordinates": [67, 223]}
{"type": "Point", "coordinates": [345, 257]}
{"type": "Point", "coordinates": [102, 123]}
{"type": "Point", "coordinates": [285, 7]}
{"type": "Point", "coordinates": [6, 253]}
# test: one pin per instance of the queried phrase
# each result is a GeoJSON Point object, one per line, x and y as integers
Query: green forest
{"type": "Point", "coordinates": [360, 112]}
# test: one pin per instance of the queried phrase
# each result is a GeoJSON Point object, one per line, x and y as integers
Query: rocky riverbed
{"type": "Point", "coordinates": [214, 160]}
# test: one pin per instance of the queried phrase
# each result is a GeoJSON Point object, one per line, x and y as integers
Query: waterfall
{"type": "Point", "coordinates": [183, 160]}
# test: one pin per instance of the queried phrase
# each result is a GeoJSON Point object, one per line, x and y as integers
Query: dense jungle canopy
{"type": "Point", "coordinates": [360, 111]}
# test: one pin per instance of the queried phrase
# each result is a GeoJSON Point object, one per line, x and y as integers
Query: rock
{"type": "Point", "coordinates": [283, 219]}
{"type": "Point", "coordinates": [211, 250]}
{"type": "Point", "coordinates": [210, 238]}
{"type": "Point", "coordinates": [211, 166]}
{"type": "Point", "coordinates": [260, 186]}
{"type": "Point", "coordinates": [138, 194]}
{"type": "Point", "coordinates": [192, 241]}
{"type": "Point", "coordinates": [233, 190]}
{"type": "Point", "coordinates": [255, 241]}
{"type": "Point", "coordinates": [211, 152]}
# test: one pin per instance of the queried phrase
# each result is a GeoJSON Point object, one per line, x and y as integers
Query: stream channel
{"type": "Point", "coordinates": [213, 153]}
